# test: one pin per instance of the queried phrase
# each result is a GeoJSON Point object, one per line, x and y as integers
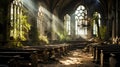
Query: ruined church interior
{"type": "Point", "coordinates": [59, 33]}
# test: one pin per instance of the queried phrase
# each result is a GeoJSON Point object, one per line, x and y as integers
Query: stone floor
{"type": "Point", "coordinates": [74, 58]}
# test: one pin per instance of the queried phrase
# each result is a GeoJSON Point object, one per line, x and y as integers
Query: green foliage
{"type": "Point", "coordinates": [43, 39]}
{"type": "Point", "coordinates": [19, 31]}
{"type": "Point", "coordinates": [25, 25]}
{"type": "Point", "coordinates": [14, 45]}
{"type": "Point", "coordinates": [63, 36]}
{"type": "Point", "coordinates": [102, 31]}
{"type": "Point", "coordinates": [95, 16]}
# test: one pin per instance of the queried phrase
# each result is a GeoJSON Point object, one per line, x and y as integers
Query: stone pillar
{"type": "Point", "coordinates": [4, 20]}
{"type": "Point", "coordinates": [117, 20]}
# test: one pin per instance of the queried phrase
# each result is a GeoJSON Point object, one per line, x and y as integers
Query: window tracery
{"type": "Point", "coordinates": [80, 20]}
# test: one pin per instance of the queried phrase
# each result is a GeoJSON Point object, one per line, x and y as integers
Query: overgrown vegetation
{"type": "Point", "coordinates": [103, 32]}
{"type": "Point", "coordinates": [43, 40]}
{"type": "Point", "coordinates": [101, 29]}
{"type": "Point", "coordinates": [63, 36]}
{"type": "Point", "coordinates": [19, 31]}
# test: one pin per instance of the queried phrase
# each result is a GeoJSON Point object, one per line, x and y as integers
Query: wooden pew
{"type": "Point", "coordinates": [92, 49]}
{"type": "Point", "coordinates": [105, 50]}
{"type": "Point", "coordinates": [97, 50]}
{"type": "Point", "coordinates": [44, 53]}
{"type": "Point", "coordinates": [4, 59]}
{"type": "Point", "coordinates": [50, 52]}
{"type": "Point", "coordinates": [15, 57]}
{"type": "Point", "coordinates": [105, 56]}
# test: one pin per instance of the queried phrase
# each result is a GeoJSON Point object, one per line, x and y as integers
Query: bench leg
{"type": "Point", "coordinates": [96, 55]}
{"type": "Point", "coordinates": [112, 61]}
{"type": "Point", "coordinates": [101, 58]}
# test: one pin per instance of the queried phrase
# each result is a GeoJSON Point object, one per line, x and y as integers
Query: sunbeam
{"type": "Point", "coordinates": [47, 21]}
{"type": "Point", "coordinates": [30, 5]}
{"type": "Point", "coordinates": [52, 21]}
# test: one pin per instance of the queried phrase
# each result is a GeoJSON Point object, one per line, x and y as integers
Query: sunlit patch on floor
{"type": "Point", "coordinates": [71, 60]}
{"type": "Point", "coordinates": [76, 57]}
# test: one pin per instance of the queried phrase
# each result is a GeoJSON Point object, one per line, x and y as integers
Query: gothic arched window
{"type": "Point", "coordinates": [67, 24]}
{"type": "Point", "coordinates": [40, 24]}
{"type": "Point", "coordinates": [19, 25]}
{"type": "Point", "coordinates": [15, 13]}
{"type": "Point", "coordinates": [80, 20]}
{"type": "Point", "coordinates": [95, 27]}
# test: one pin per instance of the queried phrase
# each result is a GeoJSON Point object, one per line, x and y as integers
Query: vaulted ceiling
{"type": "Point", "coordinates": [68, 6]}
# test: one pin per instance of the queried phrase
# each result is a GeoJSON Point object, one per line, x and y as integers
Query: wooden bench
{"type": "Point", "coordinates": [4, 59]}
{"type": "Point", "coordinates": [15, 58]}
{"type": "Point", "coordinates": [102, 53]}
{"type": "Point", "coordinates": [106, 54]}
{"type": "Point", "coordinates": [97, 50]}
{"type": "Point", "coordinates": [91, 47]}
{"type": "Point", "coordinates": [44, 52]}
